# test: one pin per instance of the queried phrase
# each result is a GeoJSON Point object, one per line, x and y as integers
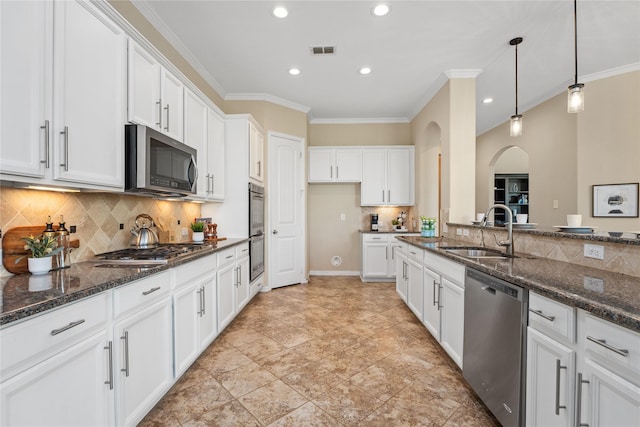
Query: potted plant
{"type": "Point", "coordinates": [428, 226]}
{"type": "Point", "coordinates": [198, 231]}
{"type": "Point", "coordinates": [42, 248]}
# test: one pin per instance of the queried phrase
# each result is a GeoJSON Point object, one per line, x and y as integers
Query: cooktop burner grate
{"type": "Point", "coordinates": [158, 255]}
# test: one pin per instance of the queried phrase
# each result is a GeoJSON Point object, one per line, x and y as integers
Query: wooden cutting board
{"type": "Point", "coordinates": [13, 247]}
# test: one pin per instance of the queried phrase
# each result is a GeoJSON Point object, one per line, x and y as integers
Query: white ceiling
{"type": "Point", "coordinates": [245, 52]}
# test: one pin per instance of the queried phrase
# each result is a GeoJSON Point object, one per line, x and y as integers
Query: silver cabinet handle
{"type": "Point", "coordinates": [202, 297]}
{"type": "Point", "coordinates": [245, 249]}
{"type": "Point", "coordinates": [541, 314]}
{"type": "Point", "coordinates": [435, 302]}
{"type": "Point", "coordinates": [439, 295]}
{"type": "Point", "coordinates": [259, 167]}
{"type": "Point", "coordinates": [377, 238]}
{"type": "Point", "coordinates": [65, 328]}
{"type": "Point", "coordinates": [200, 313]}
{"type": "Point", "coordinates": [109, 349]}
{"type": "Point", "coordinates": [65, 132]}
{"type": "Point", "coordinates": [331, 172]}
{"type": "Point", "coordinates": [125, 337]}
{"type": "Point", "coordinates": [382, 196]}
{"type": "Point", "coordinates": [386, 252]}
{"type": "Point", "coordinates": [621, 352]}
{"type": "Point", "coordinates": [388, 196]}
{"type": "Point", "coordinates": [337, 172]}
{"type": "Point", "coordinates": [558, 368]}
{"type": "Point", "coordinates": [413, 253]}
{"type": "Point", "coordinates": [46, 144]}
{"type": "Point", "coordinates": [213, 182]}
{"type": "Point", "coordinates": [239, 275]}
{"type": "Point", "coordinates": [275, 231]}
{"type": "Point", "coordinates": [150, 291]}
{"type": "Point", "coordinates": [167, 126]}
{"type": "Point", "coordinates": [579, 401]}
{"type": "Point", "coordinates": [159, 122]}
{"type": "Point", "coordinates": [229, 256]}
{"type": "Point", "coordinates": [208, 184]}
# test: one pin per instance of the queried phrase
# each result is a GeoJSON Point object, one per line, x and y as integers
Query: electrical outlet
{"type": "Point", "coordinates": [184, 232]}
{"type": "Point", "coordinates": [343, 217]}
{"type": "Point", "coordinates": [465, 232]}
{"type": "Point", "coordinates": [172, 236]}
{"type": "Point", "coordinates": [594, 284]}
{"type": "Point", "coordinates": [458, 231]}
{"type": "Point", "coordinates": [445, 228]}
{"type": "Point", "coordinates": [555, 204]}
{"type": "Point", "coordinates": [593, 251]}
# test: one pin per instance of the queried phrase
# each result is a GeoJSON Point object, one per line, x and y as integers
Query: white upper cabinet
{"type": "Point", "coordinates": [25, 79]}
{"type": "Point", "coordinates": [256, 153]}
{"type": "Point", "coordinates": [155, 95]}
{"type": "Point", "coordinates": [72, 91]}
{"type": "Point", "coordinates": [388, 176]}
{"type": "Point", "coordinates": [195, 136]}
{"type": "Point", "coordinates": [215, 156]}
{"type": "Point", "coordinates": [335, 164]}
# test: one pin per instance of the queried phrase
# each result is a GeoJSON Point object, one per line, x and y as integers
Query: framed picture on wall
{"type": "Point", "coordinates": [615, 201]}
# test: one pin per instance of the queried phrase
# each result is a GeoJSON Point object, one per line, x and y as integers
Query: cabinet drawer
{"type": "Point", "coordinates": [188, 273]}
{"type": "Point", "coordinates": [141, 292]}
{"type": "Point", "coordinates": [618, 347]}
{"type": "Point", "coordinates": [226, 257]}
{"type": "Point", "coordinates": [553, 318]}
{"type": "Point", "coordinates": [375, 238]}
{"type": "Point", "coordinates": [445, 267]}
{"type": "Point", "coordinates": [242, 250]}
{"type": "Point", "coordinates": [34, 340]}
{"type": "Point", "coordinates": [415, 254]}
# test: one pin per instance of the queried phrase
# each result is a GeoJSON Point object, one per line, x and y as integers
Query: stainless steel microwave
{"type": "Point", "coordinates": [158, 165]}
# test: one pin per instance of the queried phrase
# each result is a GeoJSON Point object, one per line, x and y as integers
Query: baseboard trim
{"type": "Point", "coordinates": [333, 273]}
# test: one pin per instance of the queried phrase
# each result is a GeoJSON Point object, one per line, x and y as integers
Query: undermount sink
{"type": "Point", "coordinates": [475, 252]}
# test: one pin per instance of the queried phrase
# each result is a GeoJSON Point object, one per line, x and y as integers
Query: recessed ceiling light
{"type": "Point", "coordinates": [280, 12]}
{"type": "Point", "coordinates": [380, 10]}
{"type": "Point", "coordinates": [487, 100]}
{"type": "Point", "coordinates": [294, 71]}
{"type": "Point", "coordinates": [365, 70]}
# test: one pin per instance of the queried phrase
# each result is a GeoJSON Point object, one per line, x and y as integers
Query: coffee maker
{"type": "Point", "coordinates": [374, 222]}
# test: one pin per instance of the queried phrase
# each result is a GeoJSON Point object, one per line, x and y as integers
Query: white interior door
{"type": "Point", "coordinates": [285, 201]}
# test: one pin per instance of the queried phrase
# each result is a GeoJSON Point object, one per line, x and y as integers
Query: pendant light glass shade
{"type": "Point", "coordinates": [516, 125]}
{"type": "Point", "coordinates": [575, 93]}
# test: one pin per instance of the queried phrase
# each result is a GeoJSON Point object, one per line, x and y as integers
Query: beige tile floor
{"type": "Point", "coordinates": [333, 352]}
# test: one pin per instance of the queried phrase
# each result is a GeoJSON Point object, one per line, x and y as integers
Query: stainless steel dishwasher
{"type": "Point", "coordinates": [495, 320]}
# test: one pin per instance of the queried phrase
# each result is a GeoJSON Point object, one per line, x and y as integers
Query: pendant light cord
{"type": "Point", "coordinates": [516, 79]}
{"type": "Point", "coordinates": [575, 36]}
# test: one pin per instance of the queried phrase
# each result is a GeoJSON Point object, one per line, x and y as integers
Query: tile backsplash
{"type": "Point", "coordinates": [97, 216]}
{"type": "Point", "coordinates": [388, 214]}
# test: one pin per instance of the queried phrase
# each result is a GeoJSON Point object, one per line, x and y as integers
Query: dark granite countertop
{"type": "Point", "coordinates": [386, 231]}
{"type": "Point", "coordinates": [21, 297]}
{"type": "Point", "coordinates": [612, 296]}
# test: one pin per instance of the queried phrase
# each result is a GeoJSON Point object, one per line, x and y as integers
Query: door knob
{"type": "Point", "coordinates": [275, 231]}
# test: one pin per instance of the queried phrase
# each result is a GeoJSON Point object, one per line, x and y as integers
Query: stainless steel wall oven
{"type": "Point", "coordinates": [256, 230]}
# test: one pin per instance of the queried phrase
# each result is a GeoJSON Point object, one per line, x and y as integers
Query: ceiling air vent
{"type": "Point", "coordinates": [323, 50]}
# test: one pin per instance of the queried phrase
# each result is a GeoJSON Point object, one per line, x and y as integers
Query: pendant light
{"type": "Point", "coordinates": [575, 93]}
{"type": "Point", "coordinates": [516, 119]}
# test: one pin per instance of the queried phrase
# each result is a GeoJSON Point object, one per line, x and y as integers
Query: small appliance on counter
{"type": "Point", "coordinates": [374, 222]}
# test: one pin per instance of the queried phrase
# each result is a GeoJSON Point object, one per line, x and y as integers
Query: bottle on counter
{"type": "Point", "coordinates": [63, 257]}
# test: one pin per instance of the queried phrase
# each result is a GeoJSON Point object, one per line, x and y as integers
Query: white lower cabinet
{"type": "Point", "coordinates": [233, 283]}
{"type": "Point", "coordinates": [242, 277]}
{"type": "Point", "coordinates": [378, 256]}
{"type": "Point", "coordinates": [452, 319]}
{"type": "Point", "coordinates": [402, 278]}
{"type": "Point", "coordinates": [431, 317]}
{"type": "Point", "coordinates": [592, 380]}
{"type": "Point", "coordinates": [415, 288]}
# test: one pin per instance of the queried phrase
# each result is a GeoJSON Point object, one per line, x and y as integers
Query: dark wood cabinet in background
{"type": "Point", "coordinates": [511, 190]}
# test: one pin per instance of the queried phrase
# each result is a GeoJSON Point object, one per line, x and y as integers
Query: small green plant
{"type": "Point", "coordinates": [394, 222]}
{"type": "Point", "coordinates": [197, 227]}
{"type": "Point", "coordinates": [40, 246]}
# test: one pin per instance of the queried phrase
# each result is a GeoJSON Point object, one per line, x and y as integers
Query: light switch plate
{"type": "Point", "coordinates": [593, 251]}
{"type": "Point", "coordinates": [459, 231]}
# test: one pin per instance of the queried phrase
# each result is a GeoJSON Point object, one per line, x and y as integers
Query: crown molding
{"type": "Point", "coordinates": [359, 120]}
{"type": "Point", "coordinates": [610, 72]}
{"type": "Point", "coordinates": [177, 44]}
{"type": "Point", "coordinates": [267, 98]}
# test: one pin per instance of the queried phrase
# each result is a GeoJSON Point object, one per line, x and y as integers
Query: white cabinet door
{"type": "Point", "coordinates": [208, 313]}
{"type": "Point", "coordinates": [242, 280]}
{"type": "Point", "coordinates": [256, 153]}
{"type": "Point", "coordinates": [550, 379]}
{"type": "Point", "coordinates": [195, 136]}
{"type": "Point", "coordinates": [606, 398]}
{"type": "Point", "coordinates": [144, 105]}
{"type": "Point", "coordinates": [186, 339]}
{"type": "Point", "coordinates": [415, 297]}
{"type": "Point", "coordinates": [171, 89]}
{"type": "Point", "coordinates": [373, 189]}
{"type": "Point", "coordinates": [25, 83]}
{"type": "Point", "coordinates": [143, 351]}
{"type": "Point", "coordinates": [431, 317]}
{"type": "Point", "coordinates": [401, 275]}
{"type": "Point", "coordinates": [348, 165]}
{"type": "Point", "coordinates": [452, 319]}
{"type": "Point", "coordinates": [89, 96]}
{"type": "Point", "coordinates": [215, 155]}
{"type": "Point", "coordinates": [226, 295]}
{"type": "Point", "coordinates": [394, 248]}
{"type": "Point", "coordinates": [399, 177]}
{"type": "Point", "coordinates": [321, 162]}
{"type": "Point", "coordinates": [375, 257]}
{"type": "Point", "coordinates": [66, 389]}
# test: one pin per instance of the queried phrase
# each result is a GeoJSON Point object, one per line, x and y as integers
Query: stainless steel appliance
{"type": "Point", "coordinates": [142, 235]}
{"type": "Point", "coordinates": [256, 230]}
{"type": "Point", "coordinates": [374, 222]}
{"type": "Point", "coordinates": [158, 165]}
{"type": "Point", "coordinates": [150, 257]}
{"type": "Point", "coordinates": [495, 320]}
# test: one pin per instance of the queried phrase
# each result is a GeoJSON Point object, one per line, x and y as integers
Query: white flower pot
{"type": "Point", "coordinates": [198, 236]}
{"type": "Point", "coordinates": [39, 265]}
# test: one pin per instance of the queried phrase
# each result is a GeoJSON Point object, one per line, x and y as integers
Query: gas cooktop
{"type": "Point", "coordinates": [160, 254]}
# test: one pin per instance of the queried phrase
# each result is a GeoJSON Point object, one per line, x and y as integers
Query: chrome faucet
{"type": "Point", "coordinates": [508, 244]}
